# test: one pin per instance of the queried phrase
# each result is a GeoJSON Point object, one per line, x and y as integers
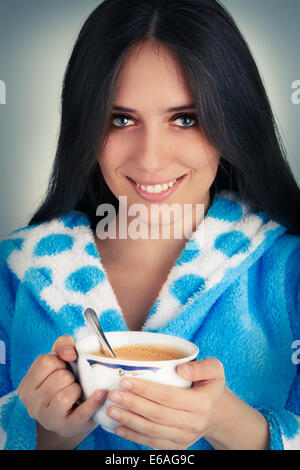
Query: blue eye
{"type": "Point", "coordinates": [128, 118]}
{"type": "Point", "coordinates": [186, 116]}
{"type": "Point", "coordinates": [119, 116]}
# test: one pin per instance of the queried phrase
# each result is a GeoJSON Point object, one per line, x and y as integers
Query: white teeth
{"type": "Point", "coordinates": [158, 188]}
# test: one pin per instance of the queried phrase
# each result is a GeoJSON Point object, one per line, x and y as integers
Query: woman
{"type": "Point", "coordinates": [231, 286]}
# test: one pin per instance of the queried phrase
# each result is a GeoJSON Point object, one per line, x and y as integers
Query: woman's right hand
{"type": "Point", "coordinates": [49, 392]}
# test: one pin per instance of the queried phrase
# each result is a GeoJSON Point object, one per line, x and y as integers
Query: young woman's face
{"type": "Point", "coordinates": [152, 144]}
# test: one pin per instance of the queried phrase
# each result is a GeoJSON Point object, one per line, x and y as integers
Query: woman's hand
{"type": "Point", "coordinates": [168, 417]}
{"type": "Point", "coordinates": [50, 393]}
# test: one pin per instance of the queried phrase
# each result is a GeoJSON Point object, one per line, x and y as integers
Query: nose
{"type": "Point", "coordinates": [152, 156]}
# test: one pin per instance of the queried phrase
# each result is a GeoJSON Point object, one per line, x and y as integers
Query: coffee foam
{"type": "Point", "coordinates": [146, 352]}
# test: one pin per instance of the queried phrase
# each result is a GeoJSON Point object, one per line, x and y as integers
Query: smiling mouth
{"type": "Point", "coordinates": [156, 193]}
{"type": "Point", "coordinates": [155, 188]}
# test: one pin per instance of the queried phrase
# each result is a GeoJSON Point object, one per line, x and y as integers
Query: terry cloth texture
{"type": "Point", "coordinates": [233, 291]}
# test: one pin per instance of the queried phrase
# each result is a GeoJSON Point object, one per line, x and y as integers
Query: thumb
{"type": "Point", "coordinates": [64, 347]}
{"type": "Point", "coordinates": [206, 369]}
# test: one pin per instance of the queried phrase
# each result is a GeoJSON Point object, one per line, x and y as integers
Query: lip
{"type": "Point", "coordinates": [152, 197]}
{"type": "Point", "coordinates": [151, 183]}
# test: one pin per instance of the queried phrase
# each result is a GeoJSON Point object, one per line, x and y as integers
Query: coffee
{"type": "Point", "coordinates": [145, 352]}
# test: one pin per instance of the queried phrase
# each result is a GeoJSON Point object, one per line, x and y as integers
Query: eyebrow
{"type": "Point", "coordinates": [169, 110]}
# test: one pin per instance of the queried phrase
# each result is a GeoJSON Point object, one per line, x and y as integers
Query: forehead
{"type": "Point", "coordinates": [151, 74]}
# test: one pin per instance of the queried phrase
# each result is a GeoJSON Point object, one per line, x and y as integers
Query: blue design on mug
{"type": "Point", "coordinates": [119, 366]}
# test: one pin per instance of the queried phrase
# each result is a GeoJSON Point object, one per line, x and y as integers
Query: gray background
{"type": "Point", "coordinates": [36, 39]}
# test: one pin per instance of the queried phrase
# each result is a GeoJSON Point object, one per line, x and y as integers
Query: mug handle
{"type": "Point", "coordinates": [73, 367]}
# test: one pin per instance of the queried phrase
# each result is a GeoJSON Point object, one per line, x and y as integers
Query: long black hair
{"type": "Point", "coordinates": [232, 105]}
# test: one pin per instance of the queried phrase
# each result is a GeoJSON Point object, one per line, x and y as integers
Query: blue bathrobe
{"type": "Point", "coordinates": [234, 291]}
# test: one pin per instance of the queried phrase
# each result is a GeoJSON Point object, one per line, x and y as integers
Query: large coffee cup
{"type": "Point", "coordinates": [152, 356]}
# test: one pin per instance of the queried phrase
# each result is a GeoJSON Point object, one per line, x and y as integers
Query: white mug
{"type": "Point", "coordinates": [94, 371]}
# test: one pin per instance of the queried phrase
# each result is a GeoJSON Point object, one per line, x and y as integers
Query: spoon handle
{"type": "Point", "coordinates": [92, 319]}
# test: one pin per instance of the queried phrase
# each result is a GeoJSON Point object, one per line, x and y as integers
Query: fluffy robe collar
{"type": "Point", "coordinates": [60, 263]}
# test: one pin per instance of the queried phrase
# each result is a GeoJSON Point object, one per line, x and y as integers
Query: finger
{"type": "Point", "coordinates": [64, 347]}
{"type": "Point", "coordinates": [152, 429]}
{"type": "Point", "coordinates": [207, 369]}
{"type": "Point", "coordinates": [167, 395]}
{"type": "Point", "coordinates": [83, 414]}
{"type": "Point", "coordinates": [43, 402]}
{"type": "Point", "coordinates": [208, 379]}
{"type": "Point", "coordinates": [195, 398]}
{"type": "Point", "coordinates": [54, 416]}
{"type": "Point", "coordinates": [64, 399]}
{"type": "Point", "coordinates": [42, 367]}
{"type": "Point", "coordinates": [153, 443]}
{"type": "Point", "coordinates": [58, 380]}
{"type": "Point", "coordinates": [153, 411]}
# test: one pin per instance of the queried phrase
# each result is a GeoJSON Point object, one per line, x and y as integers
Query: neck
{"type": "Point", "coordinates": [151, 250]}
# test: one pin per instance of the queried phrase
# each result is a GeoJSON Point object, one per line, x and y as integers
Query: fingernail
{"type": "Point", "coordinates": [115, 414]}
{"type": "Point", "coordinates": [126, 384]}
{"type": "Point", "coordinates": [68, 350]}
{"type": "Point", "coordinates": [186, 370]}
{"type": "Point", "coordinates": [120, 432]}
{"type": "Point", "coordinates": [117, 397]}
{"type": "Point", "coordinates": [99, 395]}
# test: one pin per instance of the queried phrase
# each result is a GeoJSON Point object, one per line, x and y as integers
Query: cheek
{"type": "Point", "coordinates": [109, 160]}
{"type": "Point", "coordinates": [199, 154]}
{"type": "Point", "coordinates": [204, 163]}
{"type": "Point", "coordinates": [213, 163]}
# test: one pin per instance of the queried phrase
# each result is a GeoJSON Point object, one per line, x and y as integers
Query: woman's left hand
{"type": "Point", "coordinates": [169, 417]}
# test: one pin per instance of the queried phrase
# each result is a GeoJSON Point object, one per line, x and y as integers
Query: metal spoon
{"type": "Point", "coordinates": [92, 320]}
